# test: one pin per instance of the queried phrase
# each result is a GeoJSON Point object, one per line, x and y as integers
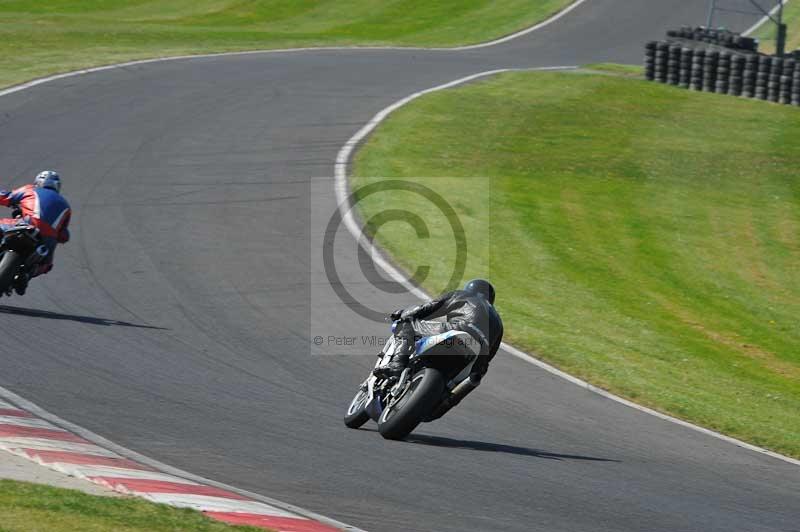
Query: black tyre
{"type": "Point", "coordinates": [407, 411]}
{"type": "Point", "coordinates": [357, 410]}
{"type": "Point", "coordinates": [9, 265]}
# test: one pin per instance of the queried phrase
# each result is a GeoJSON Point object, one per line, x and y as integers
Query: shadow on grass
{"type": "Point", "coordinates": [46, 314]}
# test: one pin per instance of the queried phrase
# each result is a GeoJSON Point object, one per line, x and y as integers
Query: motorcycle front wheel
{"type": "Point", "coordinates": [404, 413]}
{"type": "Point", "coordinates": [357, 411]}
{"type": "Point", "coordinates": [9, 265]}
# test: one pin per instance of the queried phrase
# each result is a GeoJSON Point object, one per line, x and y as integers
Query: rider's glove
{"type": "Point", "coordinates": [397, 314]}
{"type": "Point", "coordinates": [410, 313]}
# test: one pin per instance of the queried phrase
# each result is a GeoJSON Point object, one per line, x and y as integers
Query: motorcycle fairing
{"type": "Point", "coordinates": [374, 405]}
{"type": "Point", "coordinates": [429, 342]}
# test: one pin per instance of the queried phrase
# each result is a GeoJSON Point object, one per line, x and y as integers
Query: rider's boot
{"type": "Point", "coordinates": [398, 363]}
{"type": "Point", "coordinates": [399, 360]}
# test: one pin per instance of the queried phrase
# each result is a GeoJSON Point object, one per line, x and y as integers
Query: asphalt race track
{"type": "Point", "coordinates": [178, 322]}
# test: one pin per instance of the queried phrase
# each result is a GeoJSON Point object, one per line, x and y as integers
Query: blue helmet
{"type": "Point", "coordinates": [48, 179]}
{"type": "Point", "coordinates": [481, 287]}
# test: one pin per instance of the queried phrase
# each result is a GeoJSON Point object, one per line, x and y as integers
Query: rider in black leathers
{"type": "Point", "coordinates": [470, 310]}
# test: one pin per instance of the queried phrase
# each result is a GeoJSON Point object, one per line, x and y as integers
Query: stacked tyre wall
{"type": "Point", "coordinates": [723, 71]}
{"type": "Point", "coordinates": [719, 37]}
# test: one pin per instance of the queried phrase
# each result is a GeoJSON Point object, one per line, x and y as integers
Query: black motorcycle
{"type": "Point", "coordinates": [22, 250]}
{"type": "Point", "coordinates": [437, 378]}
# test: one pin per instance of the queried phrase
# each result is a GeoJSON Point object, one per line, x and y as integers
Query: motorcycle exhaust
{"type": "Point", "coordinates": [463, 389]}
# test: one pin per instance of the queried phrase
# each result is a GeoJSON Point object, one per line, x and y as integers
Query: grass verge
{"type": "Point", "coordinates": [47, 36]}
{"type": "Point", "coordinates": [641, 237]}
{"type": "Point", "coordinates": [26, 507]}
{"type": "Point", "coordinates": [767, 32]}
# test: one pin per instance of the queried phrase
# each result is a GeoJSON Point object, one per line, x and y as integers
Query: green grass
{"type": "Point", "coordinates": [766, 33]}
{"type": "Point", "coordinates": [26, 507]}
{"type": "Point", "coordinates": [641, 237]}
{"type": "Point", "coordinates": [619, 70]}
{"type": "Point", "coordinates": [45, 36]}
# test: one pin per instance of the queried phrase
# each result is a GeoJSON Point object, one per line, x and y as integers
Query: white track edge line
{"type": "Point", "coordinates": [88, 472]}
{"type": "Point", "coordinates": [109, 445]}
{"type": "Point", "coordinates": [520, 33]}
{"type": "Point", "coordinates": [763, 19]}
{"type": "Point", "coordinates": [47, 79]}
{"type": "Point", "coordinates": [29, 422]}
{"type": "Point", "coordinates": [341, 185]}
{"type": "Point", "coordinates": [19, 446]}
{"type": "Point", "coordinates": [102, 442]}
{"type": "Point", "coordinates": [209, 503]}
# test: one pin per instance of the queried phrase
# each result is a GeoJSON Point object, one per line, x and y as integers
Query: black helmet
{"type": "Point", "coordinates": [481, 287]}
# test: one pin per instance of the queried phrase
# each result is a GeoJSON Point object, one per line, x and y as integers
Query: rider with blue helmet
{"type": "Point", "coordinates": [39, 204]}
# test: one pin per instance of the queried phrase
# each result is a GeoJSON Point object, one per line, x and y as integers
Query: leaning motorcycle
{"type": "Point", "coordinates": [436, 379]}
{"type": "Point", "coordinates": [21, 252]}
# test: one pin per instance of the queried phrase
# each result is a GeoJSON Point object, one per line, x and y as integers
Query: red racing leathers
{"type": "Point", "coordinates": [43, 208]}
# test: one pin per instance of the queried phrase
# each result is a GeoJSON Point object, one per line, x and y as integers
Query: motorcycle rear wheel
{"type": "Point", "coordinates": [9, 265]}
{"type": "Point", "coordinates": [418, 400]}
